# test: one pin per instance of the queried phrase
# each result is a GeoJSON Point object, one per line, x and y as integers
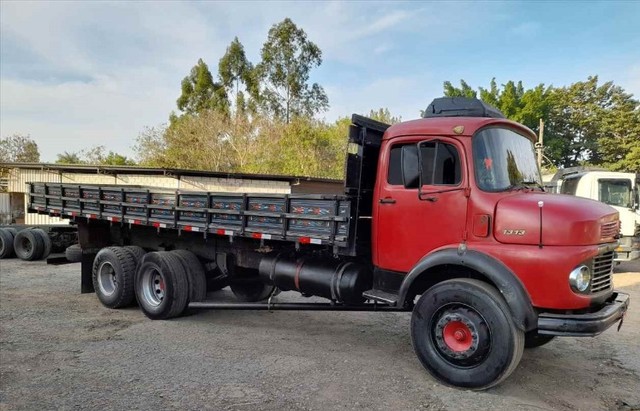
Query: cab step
{"type": "Point", "coordinates": [381, 296]}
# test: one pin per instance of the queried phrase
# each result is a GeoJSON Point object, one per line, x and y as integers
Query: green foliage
{"type": "Point", "coordinates": [584, 122]}
{"type": "Point", "coordinates": [463, 91]}
{"type": "Point", "coordinates": [287, 59]}
{"type": "Point", "coordinates": [384, 115]}
{"type": "Point", "coordinates": [200, 92]}
{"type": "Point", "coordinates": [68, 158]}
{"type": "Point", "coordinates": [95, 155]}
{"type": "Point", "coordinates": [213, 141]}
{"type": "Point", "coordinates": [18, 148]}
{"type": "Point", "coordinates": [235, 70]}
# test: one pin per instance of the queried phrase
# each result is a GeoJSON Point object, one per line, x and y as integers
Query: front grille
{"type": "Point", "coordinates": [609, 230]}
{"type": "Point", "coordinates": [601, 270]}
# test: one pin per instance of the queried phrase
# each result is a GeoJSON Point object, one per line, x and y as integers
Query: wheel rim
{"type": "Point", "coordinates": [152, 287]}
{"type": "Point", "coordinates": [461, 335]}
{"type": "Point", "coordinates": [26, 245]}
{"type": "Point", "coordinates": [107, 280]}
{"type": "Point", "coordinates": [458, 336]}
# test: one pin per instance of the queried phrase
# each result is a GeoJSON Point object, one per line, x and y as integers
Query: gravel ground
{"type": "Point", "coordinates": [60, 349]}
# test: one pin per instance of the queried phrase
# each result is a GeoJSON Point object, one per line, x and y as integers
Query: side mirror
{"type": "Point", "coordinates": [410, 166]}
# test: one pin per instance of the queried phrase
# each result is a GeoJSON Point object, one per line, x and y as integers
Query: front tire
{"type": "Point", "coordinates": [463, 334]}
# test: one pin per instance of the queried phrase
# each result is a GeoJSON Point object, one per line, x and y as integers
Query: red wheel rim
{"type": "Point", "coordinates": [457, 336]}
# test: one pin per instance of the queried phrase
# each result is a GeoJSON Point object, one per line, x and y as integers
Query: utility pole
{"type": "Point", "coordinates": [540, 144]}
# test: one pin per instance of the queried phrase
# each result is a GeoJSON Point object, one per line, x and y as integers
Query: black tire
{"type": "Point", "coordinates": [247, 286]}
{"type": "Point", "coordinates": [73, 253]}
{"type": "Point", "coordinates": [6, 243]}
{"type": "Point", "coordinates": [195, 274]}
{"type": "Point", "coordinates": [113, 276]}
{"type": "Point", "coordinates": [12, 230]}
{"type": "Point", "coordinates": [28, 245]}
{"type": "Point", "coordinates": [138, 252]}
{"type": "Point", "coordinates": [161, 285]}
{"type": "Point", "coordinates": [533, 340]}
{"type": "Point", "coordinates": [463, 334]}
{"type": "Point", "coordinates": [216, 280]}
{"type": "Point", "coordinates": [47, 242]}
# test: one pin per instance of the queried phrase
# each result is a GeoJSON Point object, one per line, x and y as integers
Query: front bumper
{"type": "Point", "coordinates": [588, 324]}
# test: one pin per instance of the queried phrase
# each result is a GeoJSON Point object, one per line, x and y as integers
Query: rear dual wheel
{"type": "Point", "coordinates": [463, 334]}
{"type": "Point", "coordinates": [113, 276]}
{"type": "Point", "coordinates": [29, 245]}
{"type": "Point", "coordinates": [162, 285]}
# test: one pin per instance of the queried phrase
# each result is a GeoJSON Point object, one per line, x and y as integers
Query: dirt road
{"type": "Point", "coordinates": [62, 349]}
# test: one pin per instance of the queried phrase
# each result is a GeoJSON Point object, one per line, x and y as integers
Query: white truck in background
{"type": "Point", "coordinates": [619, 190]}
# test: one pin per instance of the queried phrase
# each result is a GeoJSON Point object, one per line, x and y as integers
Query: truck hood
{"type": "Point", "coordinates": [566, 220]}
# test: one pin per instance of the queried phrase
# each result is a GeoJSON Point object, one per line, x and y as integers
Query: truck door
{"type": "Point", "coordinates": [411, 221]}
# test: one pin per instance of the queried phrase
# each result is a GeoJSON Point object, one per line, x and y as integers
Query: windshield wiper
{"type": "Point", "coordinates": [533, 183]}
{"type": "Point", "coordinates": [523, 185]}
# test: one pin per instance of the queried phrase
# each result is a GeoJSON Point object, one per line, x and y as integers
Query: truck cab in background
{"type": "Point", "coordinates": [620, 191]}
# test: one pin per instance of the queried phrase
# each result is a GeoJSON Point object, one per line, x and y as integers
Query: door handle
{"type": "Point", "coordinates": [387, 200]}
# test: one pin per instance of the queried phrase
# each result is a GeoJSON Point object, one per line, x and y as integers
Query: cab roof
{"type": "Point", "coordinates": [444, 126]}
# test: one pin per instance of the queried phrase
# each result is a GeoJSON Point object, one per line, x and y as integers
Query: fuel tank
{"type": "Point", "coordinates": [561, 219]}
{"type": "Point", "coordinates": [342, 281]}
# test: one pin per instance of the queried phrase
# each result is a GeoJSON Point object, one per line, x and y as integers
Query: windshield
{"type": "Point", "coordinates": [503, 160]}
{"type": "Point", "coordinates": [615, 192]}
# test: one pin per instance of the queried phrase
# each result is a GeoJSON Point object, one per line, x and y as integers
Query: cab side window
{"type": "Point", "coordinates": [394, 177]}
{"type": "Point", "coordinates": [440, 164]}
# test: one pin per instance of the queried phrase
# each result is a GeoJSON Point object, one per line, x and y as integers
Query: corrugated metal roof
{"type": "Point", "coordinates": [99, 169]}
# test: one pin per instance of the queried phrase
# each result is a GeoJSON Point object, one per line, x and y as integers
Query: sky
{"type": "Point", "coordinates": [78, 74]}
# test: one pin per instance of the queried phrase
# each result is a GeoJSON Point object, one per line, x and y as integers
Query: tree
{"type": "Point", "coordinates": [150, 146]}
{"type": "Point", "coordinates": [235, 70]}
{"type": "Point", "coordinates": [384, 115]}
{"type": "Point", "coordinates": [68, 158]}
{"type": "Point", "coordinates": [584, 122]}
{"type": "Point", "coordinates": [287, 59]}
{"type": "Point", "coordinates": [598, 124]}
{"type": "Point", "coordinates": [19, 148]}
{"type": "Point", "coordinates": [94, 155]}
{"type": "Point", "coordinates": [463, 91]}
{"type": "Point", "coordinates": [115, 159]}
{"type": "Point", "coordinates": [200, 92]}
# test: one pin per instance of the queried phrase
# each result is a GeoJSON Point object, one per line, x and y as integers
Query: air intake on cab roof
{"type": "Point", "coordinates": [460, 107]}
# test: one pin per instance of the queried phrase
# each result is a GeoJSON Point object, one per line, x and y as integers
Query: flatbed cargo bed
{"type": "Point", "coordinates": [305, 219]}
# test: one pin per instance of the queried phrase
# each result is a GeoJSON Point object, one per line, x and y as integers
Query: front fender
{"type": "Point", "coordinates": [493, 270]}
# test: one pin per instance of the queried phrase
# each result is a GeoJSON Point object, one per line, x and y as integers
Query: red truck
{"type": "Point", "coordinates": [444, 216]}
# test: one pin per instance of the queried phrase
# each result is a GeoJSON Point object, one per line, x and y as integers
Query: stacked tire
{"type": "Point", "coordinates": [29, 244]}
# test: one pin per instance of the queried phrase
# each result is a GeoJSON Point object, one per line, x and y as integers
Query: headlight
{"type": "Point", "coordinates": [580, 278]}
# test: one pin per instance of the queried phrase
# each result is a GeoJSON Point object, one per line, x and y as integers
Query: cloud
{"type": "Point", "coordinates": [526, 29]}
{"type": "Point", "coordinates": [76, 74]}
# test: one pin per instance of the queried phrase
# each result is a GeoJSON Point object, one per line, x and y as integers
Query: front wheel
{"type": "Point", "coordinates": [463, 334]}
